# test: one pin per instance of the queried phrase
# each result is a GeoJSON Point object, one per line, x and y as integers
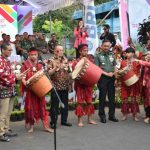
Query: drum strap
{"type": "Point", "coordinates": [27, 65]}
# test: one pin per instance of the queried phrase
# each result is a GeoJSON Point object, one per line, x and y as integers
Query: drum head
{"type": "Point", "coordinates": [78, 68]}
{"type": "Point", "coordinates": [35, 76]}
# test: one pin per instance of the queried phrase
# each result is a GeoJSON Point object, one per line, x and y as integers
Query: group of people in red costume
{"type": "Point", "coordinates": [59, 70]}
{"type": "Point", "coordinates": [129, 59]}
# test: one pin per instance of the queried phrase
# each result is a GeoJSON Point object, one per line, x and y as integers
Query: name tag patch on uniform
{"type": "Point", "coordinates": [111, 59]}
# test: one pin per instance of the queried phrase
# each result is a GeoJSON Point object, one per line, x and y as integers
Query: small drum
{"type": "Point", "coordinates": [39, 84]}
{"type": "Point", "coordinates": [86, 72]}
{"type": "Point", "coordinates": [130, 78]}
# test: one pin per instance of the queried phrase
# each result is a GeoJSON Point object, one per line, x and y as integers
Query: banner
{"type": "Point", "coordinates": [90, 23]}
{"type": "Point", "coordinates": [123, 15]}
{"type": "Point", "coordinates": [8, 20]}
{"type": "Point", "coordinates": [25, 19]}
{"type": "Point", "coordinates": [138, 12]}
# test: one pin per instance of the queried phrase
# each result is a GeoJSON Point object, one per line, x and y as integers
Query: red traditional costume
{"type": "Point", "coordinates": [146, 79]}
{"type": "Point", "coordinates": [35, 107]}
{"type": "Point", "coordinates": [7, 79]}
{"type": "Point", "coordinates": [134, 90]}
{"type": "Point", "coordinates": [130, 91]}
{"type": "Point", "coordinates": [84, 94]}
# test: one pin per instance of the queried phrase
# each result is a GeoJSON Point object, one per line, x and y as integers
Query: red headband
{"type": "Point", "coordinates": [84, 47]}
{"type": "Point", "coordinates": [33, 52]}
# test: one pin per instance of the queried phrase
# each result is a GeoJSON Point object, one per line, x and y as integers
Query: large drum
{"type": "Point", "coordinates": [86, 72]}
{"type": "Point", "coordinates": [39, 84]}
{"type": "Point", "coordinates": [130, 78]}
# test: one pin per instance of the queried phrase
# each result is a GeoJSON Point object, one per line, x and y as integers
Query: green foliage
{"type": "Point", "coordinates": [70, 52]}
{"type": "Point", "coordinates": [18, 88]}
{"type": "Point", "coordinates": [57, 27]}
{"type": "Point", "coordinates": [100, 1]}
{"type": "Point", "coordinates": [41, 22]}
{"type": "Point", "coordinates": [38, 21]}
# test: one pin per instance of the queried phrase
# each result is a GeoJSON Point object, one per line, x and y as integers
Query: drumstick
{"type": "Point", "coordinates": [26, 71]}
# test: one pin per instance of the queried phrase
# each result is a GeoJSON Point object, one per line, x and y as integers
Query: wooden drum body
{"type": "Point", "coordinates": [39, 84]}
{"type": "Point", "coordinates": [86, 72]}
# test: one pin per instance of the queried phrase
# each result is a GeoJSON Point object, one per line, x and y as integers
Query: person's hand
{"type": "Point", "coordinates": [144, 82]}
{"type": "Point", "coordinates": [85, 29]}
{"type": "Point", "coordinates": [45, 61]}
{"type": "Point", "coordinates": [116, 72]}
{"type": "Point", "coordinates": [55, 65]}
{"type": "Point", "coordinates": [25, 51]}
{"type": "Point", "coordinates": [116, 83]}
{"type": "Point", "coordinates": [137, 60]}
{"type": "Point", "coordinates": [70, 88]}
{"type": "Point", "coordinates": [103, 34]}
{"type": "Point", "coordinates": [110, 74]}
{"type": "Point", "coordinates": [146, 58]}
{"type": "Point", "coordinates": [20, 76]}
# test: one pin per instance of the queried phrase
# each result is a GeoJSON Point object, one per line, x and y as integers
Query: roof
{"type": "Point", "coordinates": [105, 7]}
{"type": "Point", "coordinates": [41, 6]}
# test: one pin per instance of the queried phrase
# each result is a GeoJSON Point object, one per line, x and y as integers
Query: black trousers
{"type": "Point", "coordinates": [106, 86]}
{"type": "Point", "coordinates": [147, 111]}
{"type": "Point", "coordinates": [55, 106]}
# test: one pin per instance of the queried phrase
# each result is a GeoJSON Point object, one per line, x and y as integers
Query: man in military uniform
{"type": "Point", "coordinates": [106, 60]}
{"type": "Point", "coordinates": [52, 43]}
{"type": "Point", "coordinates": [25, 45]}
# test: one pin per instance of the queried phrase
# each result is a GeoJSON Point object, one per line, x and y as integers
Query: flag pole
{"type": "Point", "coordinates": [108, 14]}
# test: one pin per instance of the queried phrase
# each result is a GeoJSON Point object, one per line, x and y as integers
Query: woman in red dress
{"type": "Point", "coordinates": [80, 34]}
{"type": "Point", "coordinates": [35, 107]}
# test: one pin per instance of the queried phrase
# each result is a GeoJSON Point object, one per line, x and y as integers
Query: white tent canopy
{"type": "Point", "coordinates": [41, 6]}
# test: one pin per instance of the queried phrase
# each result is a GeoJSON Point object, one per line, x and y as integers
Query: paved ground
{"type": "Point", "coordinates": [125, 135]}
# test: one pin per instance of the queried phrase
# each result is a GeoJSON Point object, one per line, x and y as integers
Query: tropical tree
{"type": "Point", "coordinates": [61, 17]}
{"type": "Point", "coordinates": [57, 27]}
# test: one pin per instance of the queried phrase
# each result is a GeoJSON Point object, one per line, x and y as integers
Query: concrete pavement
{"type": "Point", "coordinates": [125, 135]}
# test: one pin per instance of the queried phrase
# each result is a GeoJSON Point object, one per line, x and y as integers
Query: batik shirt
{"type": "Point", "coordinates": [7, 79]}
{"type": "Point", "coordinates": [61, 77]}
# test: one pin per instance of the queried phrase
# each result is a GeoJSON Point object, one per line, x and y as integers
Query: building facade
{"type": "Point", "coordinates": [101, 11]}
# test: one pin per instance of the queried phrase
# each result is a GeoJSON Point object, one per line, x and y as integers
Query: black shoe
{"type": "Point", "coordinates": [53, 126]}
{"type": "Point", "coordinates": [4, 138]}
{"type": "Point", "coordinates": [114, 119]}
{"type": "Point", "coordinates": [103, 119]}
{"type": "Point", "coordinates": [10, 133]}
{"type": "Point", "coordinates": [66, 124]}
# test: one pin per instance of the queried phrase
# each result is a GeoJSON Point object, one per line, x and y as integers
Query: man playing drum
{"type": "Point", "coordinates": [35, 107]}
{"type": "Point", "coordinates": [84, 91]}
{"type": "Point", "coordinates": [131, 90]}
{"type": "Point", "coordinates": [130, 87]}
